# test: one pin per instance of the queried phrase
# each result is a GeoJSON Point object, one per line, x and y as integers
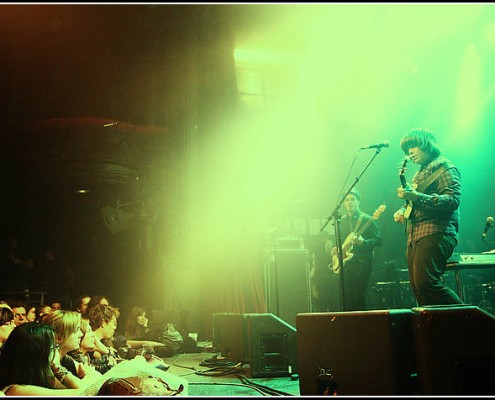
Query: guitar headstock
{"type": "Point", "coordinates": [379, 211]}
{"type": "Point", "coordinates": [402, 171]}
{"type": "Point", "coordinates": [403, 165]}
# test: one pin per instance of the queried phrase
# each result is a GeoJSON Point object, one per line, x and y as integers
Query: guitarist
{"type": "Point", "coordinates": [357, 271]}
{"type": "Point", "coordinates": [433, 224]}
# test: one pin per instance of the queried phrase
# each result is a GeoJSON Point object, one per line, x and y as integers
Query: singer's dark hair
{"type": "Point", "coordinates": [422, 138]}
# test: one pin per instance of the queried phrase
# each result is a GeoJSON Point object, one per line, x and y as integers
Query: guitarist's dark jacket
{"type": "Point", "coordinates": [439, 213]}
{"type": "Point", "coordinates": [372, 237]}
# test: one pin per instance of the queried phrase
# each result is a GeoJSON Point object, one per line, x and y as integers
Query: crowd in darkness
{"type": "Point", "coordinates": [22, 271]}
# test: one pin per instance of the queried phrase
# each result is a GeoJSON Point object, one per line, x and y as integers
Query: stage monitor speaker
{"type": "Point", "coordinates": [287, 283]}
{"type": "Point", "coordinates": [264, 341]}
{"type": "Point", "coordinates": [455, 354]}
{"type": "Point", "coordinates": [356, 353]}
{"type": "Point", "coordinates": [228, 335]}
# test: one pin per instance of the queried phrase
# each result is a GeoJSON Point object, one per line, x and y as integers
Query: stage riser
{"type": "Point", "coordinates": [419, 351]}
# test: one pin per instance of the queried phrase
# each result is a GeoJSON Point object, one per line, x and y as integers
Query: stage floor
{"type": "Point", "coordinates": [214, 378]}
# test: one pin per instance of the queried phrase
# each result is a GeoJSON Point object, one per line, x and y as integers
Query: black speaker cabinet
{"type": "Point", "coordinates": [356, 353]}
{"type": "Point", "coordinates": [455, 350]}
{"type": "Point", "coordinates": [264, 341]}
{"type": "Point", "coordinates": [287, 283]}
{"type": "Point", "coordinates": [228, 335]}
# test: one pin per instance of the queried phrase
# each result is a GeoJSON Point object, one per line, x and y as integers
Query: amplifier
{"type": "Point", "coordinates": [287, 283]}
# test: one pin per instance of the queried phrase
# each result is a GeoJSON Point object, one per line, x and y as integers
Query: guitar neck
{"type": "Point", "coordinates": [349, 242]}
{"type": "Point", "coordinates": [403, 181]}
{"type": "Point", "coordinates": [364, 227]}
{"type": "Point", "coordinates": [375, 216]}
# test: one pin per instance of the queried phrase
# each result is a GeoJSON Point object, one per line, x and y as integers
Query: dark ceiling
{"type": "Point", "coordinates": [80, 68]}
{"type": "Point", "coordinates": [106, 98]}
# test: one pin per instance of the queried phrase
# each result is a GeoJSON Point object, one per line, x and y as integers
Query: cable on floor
{"type": "Point", "coordinates": [215, 361]}
{"type": "Point", "coordinates": [220, 366]}
{"type": "Point", "coordinates": [175, 364]}
{"type": "Point", "coordinates": [228, 366]}
{"type": "Point", "coordinates": [227, 384]}
{"type": "Point", "coordinates": [269, 391]}
{"type": "Point", "coordinates": [222, 371]}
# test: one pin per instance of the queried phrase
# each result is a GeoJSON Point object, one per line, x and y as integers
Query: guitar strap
{"type": "Point", "coordinates": [358, 223]}
{"type": "Point", "coordinates": [428, 181]}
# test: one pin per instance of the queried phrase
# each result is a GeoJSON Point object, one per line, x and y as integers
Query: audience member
{"type": "Point", "coordinates": [118, 339]}
{"type": "Point", "coordinates": [94, 301]}
{"type": "Point", "coordinates": [7, 324]}
{"type": "Point", "coordinates": [31, 314]}
{"type": "Point", "coordinates": [20, 314]}
{"type": "Point", "coordinates": [87, 343]}
{"type": "Point", "coordinates": [103, 321]}
{"type": "Point", "coordinates": [42, 310]}
{"type": "Point", "coordinates": [139, 335]}
{"type": "Point", "coordinates": [136, 326]}
{"type": "Point", "coordinates": [29, 362]}
{"type": "Point", "coordinates": [66, 325]}
{"type": "Point", "coordinates": [82, 303]}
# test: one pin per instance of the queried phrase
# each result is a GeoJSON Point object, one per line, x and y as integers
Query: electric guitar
{"type": "Point", "coordinates": [348, 244]}
{"type": "Point", "coordinates": [404, 184]}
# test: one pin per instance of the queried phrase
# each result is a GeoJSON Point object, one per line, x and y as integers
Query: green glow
{"type": "Point", "coordinates": [490, 34]}
{"type": "Point", "coordinates": [469, 91]}
{"type": "Point", "coordinates": [316, 82]}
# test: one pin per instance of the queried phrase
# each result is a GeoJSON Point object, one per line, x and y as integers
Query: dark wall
{"type": "Point", "coordinates": [140, 65]}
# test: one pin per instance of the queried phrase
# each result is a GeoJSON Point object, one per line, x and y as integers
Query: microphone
{"type": "Point", "coordinates": [385, 143]}
{"type": "Point", "coordinates": [488, 225]}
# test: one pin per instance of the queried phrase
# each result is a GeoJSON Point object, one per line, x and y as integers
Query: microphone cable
{"type": "Point", "coordinates": [220, 367]}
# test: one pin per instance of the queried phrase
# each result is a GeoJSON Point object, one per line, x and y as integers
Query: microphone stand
{"type": "Point", "coordinates": [336, 216]}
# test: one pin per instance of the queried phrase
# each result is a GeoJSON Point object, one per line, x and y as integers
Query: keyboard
{"type": "Point", "coordinates": [466, 259]}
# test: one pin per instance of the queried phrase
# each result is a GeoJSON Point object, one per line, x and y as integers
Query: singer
{"type": "Point", "coordinates": [433, 224]}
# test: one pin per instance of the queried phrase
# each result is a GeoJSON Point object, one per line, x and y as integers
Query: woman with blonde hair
{"type": "Point", "coordinates": [87, 344]}
{"type": "Point", "coordinates": [67, 328]}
